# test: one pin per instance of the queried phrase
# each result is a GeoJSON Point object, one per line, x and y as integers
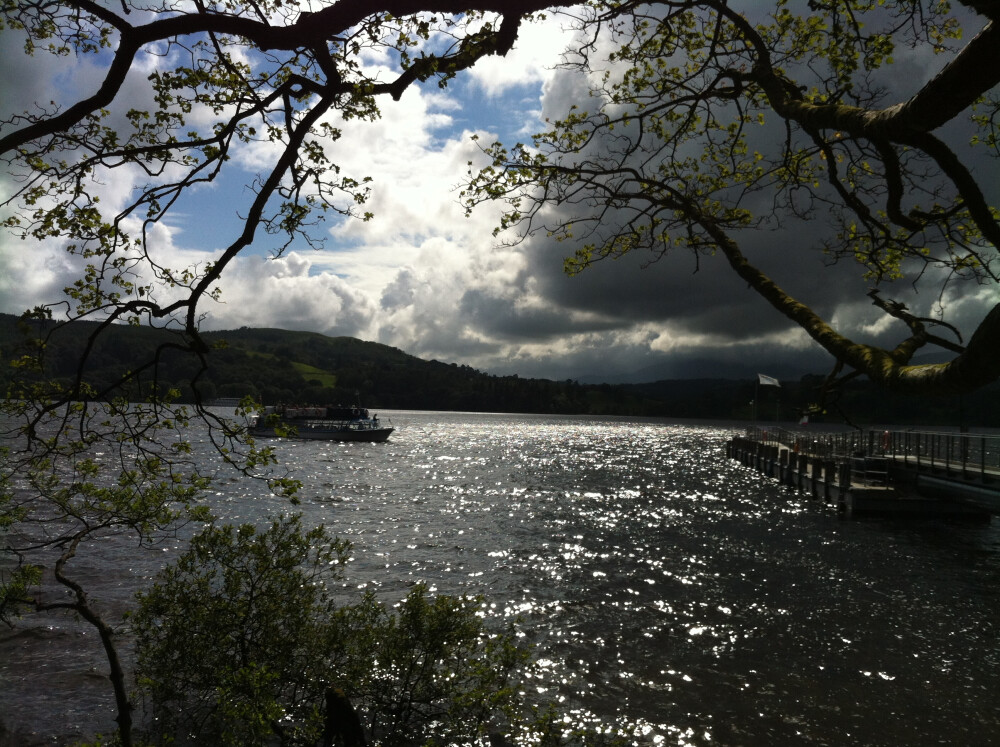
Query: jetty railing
{"type": "Point", "coordinates": [973, 456]}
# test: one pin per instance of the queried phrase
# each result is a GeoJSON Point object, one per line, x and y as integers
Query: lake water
{"type": "Point", "coordinates": [663, 585]}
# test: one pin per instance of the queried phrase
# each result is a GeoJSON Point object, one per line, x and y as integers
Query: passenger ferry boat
{"type": "Point", "coordinates": [319, 423]}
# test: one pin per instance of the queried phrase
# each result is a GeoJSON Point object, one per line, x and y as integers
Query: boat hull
{"type": "Point", "coordinates": [326, 433]}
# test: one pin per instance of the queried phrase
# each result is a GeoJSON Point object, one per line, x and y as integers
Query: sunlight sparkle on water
{"type": "Point", "coordinates": [670, 594]}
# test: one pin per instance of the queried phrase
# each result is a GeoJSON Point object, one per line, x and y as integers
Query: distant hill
{"type": "Point", "coordinates": [859, 402]}
{"type": "Point", "coordinates": [309, 368]}
{"type": "Point", "coordinates": [305, 367]}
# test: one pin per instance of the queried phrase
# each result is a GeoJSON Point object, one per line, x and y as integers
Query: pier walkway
{"type": "Point", "coordinates": [881, 472]}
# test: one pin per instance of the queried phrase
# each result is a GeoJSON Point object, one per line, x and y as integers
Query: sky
{"type": "Point", "coordinates": [434, 283]}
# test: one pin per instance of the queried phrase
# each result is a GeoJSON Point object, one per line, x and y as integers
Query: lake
{"type": "Point", "coordinates": [664, 586]}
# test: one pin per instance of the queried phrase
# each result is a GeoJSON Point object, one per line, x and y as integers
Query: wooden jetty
{"type": "Point", "coordinates": [901, 473]}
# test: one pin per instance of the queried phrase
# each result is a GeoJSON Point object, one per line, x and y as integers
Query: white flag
{"type": "Point", "coordinates": [767, 380]}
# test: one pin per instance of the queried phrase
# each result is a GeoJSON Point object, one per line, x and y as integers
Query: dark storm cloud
{"type": "Point", "coordinates": [699, 294]}
{"type": "Point", "coordinates": [499, 314]}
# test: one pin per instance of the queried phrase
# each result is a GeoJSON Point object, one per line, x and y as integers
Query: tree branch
{"type": "Point", "coordinates": [82, 606]}
{"type": "Point", "coordinates": [308, 31]}
{"type": "Point", "coordinates": [973, 368]}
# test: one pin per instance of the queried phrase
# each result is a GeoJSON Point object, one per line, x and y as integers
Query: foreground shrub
{"type": "Point", "coordinates": [240, 642]}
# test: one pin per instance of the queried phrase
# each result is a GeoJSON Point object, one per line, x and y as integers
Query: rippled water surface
{"type": "Point", "coordinates": [663, 585]}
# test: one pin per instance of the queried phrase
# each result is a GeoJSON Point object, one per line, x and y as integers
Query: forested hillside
{"type": "Point", "coordinates": [303, 367]}
{"type": "Point", "coordinates": [307, 368]}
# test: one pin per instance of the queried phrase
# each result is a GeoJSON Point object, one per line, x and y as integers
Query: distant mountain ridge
{"type": "Point", "coordinates": [277, 365]}
{"type": "Point", "coordinates": [306, 367]}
